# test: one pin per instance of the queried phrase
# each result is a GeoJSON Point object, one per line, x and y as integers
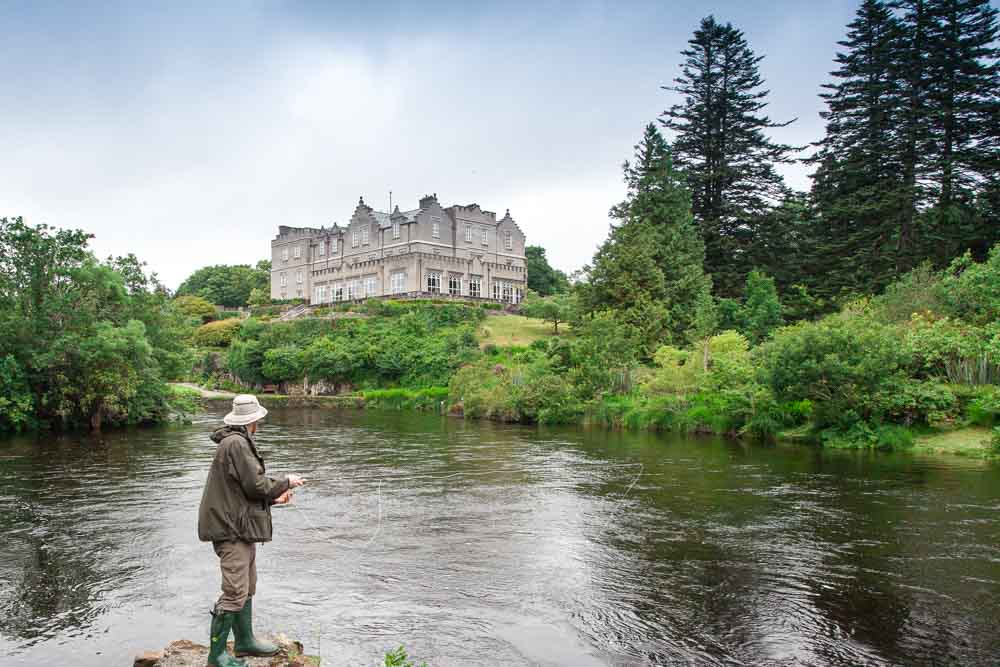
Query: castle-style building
{"type": "Point", "coordinates": [461, 251]}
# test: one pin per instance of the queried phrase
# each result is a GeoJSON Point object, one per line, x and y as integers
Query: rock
{"type": "Point", "coordinates": [148, 659]}
{"type": "Point", "coordinates": [186, 653]}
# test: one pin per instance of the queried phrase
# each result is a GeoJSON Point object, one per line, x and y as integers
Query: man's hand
{"type": "Point", "coordinates": [295, 480]}
{"type": "Point", "coordinates": [284, 498]}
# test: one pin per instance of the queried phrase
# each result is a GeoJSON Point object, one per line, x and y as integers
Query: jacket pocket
{"type": "Point", "coordinates": [255, 523]}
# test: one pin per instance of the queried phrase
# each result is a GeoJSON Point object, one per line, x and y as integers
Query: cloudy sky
{"type": "Point", "coordinates": [187, 135]}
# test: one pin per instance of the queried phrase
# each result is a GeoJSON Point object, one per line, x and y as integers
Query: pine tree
{"type": "Point", "coordinates": [860, 187]}
{"type": "Point", "coordinates": [719, 142]}
{"type": "Point", "coordinates": [654, 255]}
{"type": "Point", "coordinates": [962, 61]}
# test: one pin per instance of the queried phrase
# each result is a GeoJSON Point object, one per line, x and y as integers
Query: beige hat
{"type": "Point", "coordinates": [246, 410]}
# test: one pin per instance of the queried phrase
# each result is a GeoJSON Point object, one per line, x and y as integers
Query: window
{"type": "Point", "coordinates": [508, 293]}
{"type": "Point", "coordinates": [397, 281]}
{"type": "Point", "coordinates": [454, 285]}
{"type": "Point", "coordinates": [370, 286]}
{"type": "Point", "coordinates": [468, 233]}
{"type": "Point", "coordinates": [518, 295]}
{"type": "Point", "coordinates": [338, 292]}
{"type": "Point", "coordinates": [436, 228]}
{"type": "Point", "coordinates": [508, 241]}
{"type": "Point", "coordinates": [354, 239]}
{"type": "Point", "coordinates": [476, 287]}
{"type": "Point", "coordinates": [297, 252]}
{"type": "Point", "coordinates": [434, 282]}
{"type": "Point", "coordinates": [284, 254]}
{"type": "Point", "coordinates": [364, 235]}
{"type": "Point", "coordinates": [284, 280]}
{"type": "Point", "coordinates": [298, 277]}
{"type": "Point", "coordinates": [496, 290]}
{"type": "Point", "coordinates": [486, 236]}
{"type": "Point", "coordinates": [351, 294]}
{"type": "Point", "coordinates": [395, 230]}
{"type": "Point", "coordinates": [333, 246]}
{"type": "Point", "coordinates": [322, 248]}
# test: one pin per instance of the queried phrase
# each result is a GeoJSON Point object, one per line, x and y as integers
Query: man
{"type": "Point", "coordinates": [235, 514]}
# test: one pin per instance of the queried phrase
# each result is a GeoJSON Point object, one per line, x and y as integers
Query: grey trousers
{"type": "Point", "coordinates": [238, 561]}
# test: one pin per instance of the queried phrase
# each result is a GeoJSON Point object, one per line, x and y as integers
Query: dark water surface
{"type": "Point", "coordinates": [509, 546]}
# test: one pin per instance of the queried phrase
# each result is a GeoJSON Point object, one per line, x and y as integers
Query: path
{"type": "Point", "coordinates": [205, 393]}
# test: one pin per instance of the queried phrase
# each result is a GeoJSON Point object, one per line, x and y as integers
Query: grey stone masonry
{"type": "Point", "coordinates": [459, 251]}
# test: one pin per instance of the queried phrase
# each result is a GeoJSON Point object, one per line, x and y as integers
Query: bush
{"type": "Point", "coordinates": [195, 306]}
{"type": "Point", "coordinates": [845, 364]}
{"type": "Point", "coordinates": [282, 364]}
{"type": "Point", "coordinates": [216, 334]}
{"type": "Point", "coordinates": [430, 398]}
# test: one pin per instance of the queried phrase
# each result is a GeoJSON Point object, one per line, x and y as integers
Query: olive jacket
{"type": "Point", "coordinates": [236, 502]}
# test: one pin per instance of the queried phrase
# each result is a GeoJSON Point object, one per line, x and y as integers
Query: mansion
{"type": "Point", "coordinates": [461, 251]}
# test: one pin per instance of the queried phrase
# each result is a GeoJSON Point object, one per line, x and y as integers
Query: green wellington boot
{"type": "Point", "coordinates": [246, 643]}
{"type": "Point", "coordinates": [222, 623]}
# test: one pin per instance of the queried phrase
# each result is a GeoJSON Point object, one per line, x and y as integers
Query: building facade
{"type": "Point", "coordinates": [461, 251]}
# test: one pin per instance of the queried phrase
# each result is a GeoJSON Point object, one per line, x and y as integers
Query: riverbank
{"type": "Point", "coordinates": [969, 441]}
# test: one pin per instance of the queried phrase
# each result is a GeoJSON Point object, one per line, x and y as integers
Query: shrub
{"type": "Point", "coordinates": [844, 364]}
{"type": "Point", "coordinates": [282, 364]}
{"type": "Point", "coordinates": [195, 306]}
{"type": "Point", "coordinates": [964, 353]}
{"type": "Point", "coordinates": [216, 334]}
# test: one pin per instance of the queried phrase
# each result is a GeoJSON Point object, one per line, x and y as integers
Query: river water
{"type": "Point", "coordinates": [481, 544]}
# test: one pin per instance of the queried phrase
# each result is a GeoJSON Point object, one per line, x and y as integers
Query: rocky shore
{"type": "Point", "coordinates": [184, 653]}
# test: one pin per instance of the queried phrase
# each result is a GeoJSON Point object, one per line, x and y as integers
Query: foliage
{"type": "Point", "coordinates": [557, 309]}
{"type": "Point", "coordinates": [519, 388]}
{"type": "Point", "coordinates": [229, 286]}
{"type": "Point", "coordinates": [216, 334]}
{"type": "Point", "coordinates": [259, 296]}
{"type": "Point", "coordinates": [82, 343]}
{"type": "Point", "coordinates": [720, 144]}
{"type": "Point", "coordinates": [429, 398]}
{"type": "Point", "coordinates": [410, 344]}
{"type": "Point", "coordinates": [197, 307]}
{"type": "Point", "coordinates": [761, 308]}
{"type": "Point", "coordinates": [542, 278]}
{"type": "Point", "coordinates": [649, 270]}
{"type": "Point", "coordinates": [399, 658]}
{"type": "Point", "coordinates": [963, 353]}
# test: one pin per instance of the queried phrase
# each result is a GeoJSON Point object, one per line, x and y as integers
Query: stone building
{"type": "Point", "coordinates": [461, 251]}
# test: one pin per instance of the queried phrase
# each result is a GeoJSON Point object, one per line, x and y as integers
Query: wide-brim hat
{"type": "Point", "coordinates": [246, 410]}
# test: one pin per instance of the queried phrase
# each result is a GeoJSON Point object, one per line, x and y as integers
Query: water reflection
{"type": "Point", "coordinates": [486, 544]}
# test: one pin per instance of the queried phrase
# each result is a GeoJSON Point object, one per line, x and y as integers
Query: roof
{"type": "Point", "coordinates": [385, 219]}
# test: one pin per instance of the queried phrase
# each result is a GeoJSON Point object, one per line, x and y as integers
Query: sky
{"type": "Point", "coordinates": [186, 134]}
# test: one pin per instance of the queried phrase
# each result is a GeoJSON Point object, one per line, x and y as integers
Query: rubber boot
{"type": "Point", "coordinates": [246, 643]}
{"type": "Point", "coordinates": [222, 623]}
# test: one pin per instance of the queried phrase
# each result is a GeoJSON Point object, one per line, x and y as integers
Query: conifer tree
{"type": "Point", "coordinates": [859, 186]}
{"type": "Point", "coordinates": [654, 256]}
{"type": "Point", "coordinates": [719, 142]}
{"type": "Point", "coordinates": [962, 61]}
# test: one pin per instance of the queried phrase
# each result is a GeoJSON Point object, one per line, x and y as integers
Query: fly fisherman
{"type": "Point", "coordinates": [235, 514]}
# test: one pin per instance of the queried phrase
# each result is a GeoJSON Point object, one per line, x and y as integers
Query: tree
{"type": "Point", "coordinates": [81, 342]}
{"type": "Point", "coordinates": [650, 267]}
{"type": "Point", "coordinates": [195, 306]}
{"type": "Point", "coordinates": [542, 278]}
{"type": "Point", "coordinates": [761, 307]}
{"type": "Point", "coordinates": [228, 286]}
{"type": "Point", "coordinates": [860, 185]}
{"type": "Point", "coordinates": [558, 308]}
{"type": "Point", "coordinates": [963, 107]}
{"type": "Point", "coordinates": [719, 142]}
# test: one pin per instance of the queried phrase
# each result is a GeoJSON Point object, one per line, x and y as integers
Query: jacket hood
{"type": "Point", "coordinates": [226, 431]}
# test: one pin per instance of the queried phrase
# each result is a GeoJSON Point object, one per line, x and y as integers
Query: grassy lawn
{"type": "Point", "coordinates": [508, 330]}
{"type": "Point", "coordinates": [969, 441]}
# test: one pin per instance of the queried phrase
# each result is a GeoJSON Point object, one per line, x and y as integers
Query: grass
{"type": "Point", "coordinates": [515, 330]}
{"type": "Point", "coordinates": [973, 441]}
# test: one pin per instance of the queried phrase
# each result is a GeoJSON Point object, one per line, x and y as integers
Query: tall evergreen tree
{"type": "Point", "coordinates": [962, 61]}
{"type": "Point", "coordinates": [860, 187]}
{"type": "Point", "coordinates": [654, 256]}
{"type": "Point", "coordinates": [719, 141]}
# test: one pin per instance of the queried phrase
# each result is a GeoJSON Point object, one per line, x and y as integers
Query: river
{"type": "Point", "coordinates": [482, 544]}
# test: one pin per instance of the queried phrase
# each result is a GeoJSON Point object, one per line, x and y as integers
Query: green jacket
{"type": "Point", "coordinates": [236, 502]}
